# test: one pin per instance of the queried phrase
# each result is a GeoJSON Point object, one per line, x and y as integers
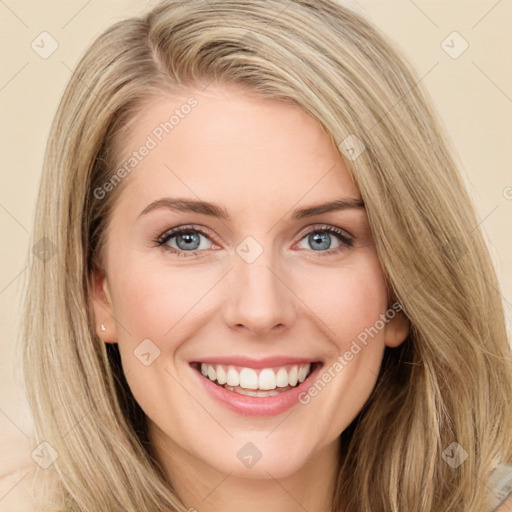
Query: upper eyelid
{"type": "Point", "coordinates": [173, 232]}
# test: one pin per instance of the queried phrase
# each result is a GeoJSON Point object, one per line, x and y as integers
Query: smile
{"type": "Point", "coordinates": [251, 390]}
{"type": "Point", "coordinates": [248, 381]}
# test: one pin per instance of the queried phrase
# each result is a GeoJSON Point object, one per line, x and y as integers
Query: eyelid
{"type": "Point", "coordinates": [186, 227]}
{"type": "Point", "coordinates": [320, 227]}
{"type": "Point", "coordinates": [305, 231]}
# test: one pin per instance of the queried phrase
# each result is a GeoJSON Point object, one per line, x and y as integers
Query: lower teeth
{"type": "Point", "coordinates": [255, 392]}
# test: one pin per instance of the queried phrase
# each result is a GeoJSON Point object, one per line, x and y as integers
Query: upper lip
{"type": "Point", "coordinates": [249, 362]}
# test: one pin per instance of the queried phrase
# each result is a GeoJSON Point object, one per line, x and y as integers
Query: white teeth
{"type": "Point", "coordinates": [282, 378]}
{"type": "Point", "coordinates": [248, 378]}
{"type": "Point", "coordinates": [212, 374]}
{"type": "Point", "coordinates": [221, 375]}
{"type": "Point", "coordinates": [292, 376]}
{"type": "Point", "coordinates": [303, 372]}
{"type": "Point", "coordinates": [233, 379]}
{"type": "Point", "coordinates": [267, 379]}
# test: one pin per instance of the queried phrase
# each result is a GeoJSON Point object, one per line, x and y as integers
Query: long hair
{"type": "Point", "coordinates": [447, 387]}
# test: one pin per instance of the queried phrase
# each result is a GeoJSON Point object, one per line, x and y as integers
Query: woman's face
{"type": "Point", "coordinates": [257, 293]}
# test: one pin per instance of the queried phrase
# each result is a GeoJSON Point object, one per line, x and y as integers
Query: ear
{"type": "Point", "coordinates": [398, 327]}
{"type": "Point", "coordinates": [103, 308]}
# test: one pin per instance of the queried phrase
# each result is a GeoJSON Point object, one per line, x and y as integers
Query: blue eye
{"type": "Point", "coordinates": [188, 240]}
{"type": "Point", "coordinates": [321, 238]}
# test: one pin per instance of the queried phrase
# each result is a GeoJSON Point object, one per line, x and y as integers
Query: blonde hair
{"type": "Point", "coordinates": [449, 382]}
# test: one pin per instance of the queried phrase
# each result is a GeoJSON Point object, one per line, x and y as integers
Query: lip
{"type": "Point", "coordinates": [248, 362]}
{"type": "Point", "coordinates": [252, 405]}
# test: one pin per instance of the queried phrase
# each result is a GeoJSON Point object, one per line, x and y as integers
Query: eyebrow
{"type": "Point", "coordinates": [214, 210]}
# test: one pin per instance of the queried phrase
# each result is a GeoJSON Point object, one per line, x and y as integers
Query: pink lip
{"type": "Point", "coordinates": [253, 405]}
{"type": "Point", "coordinates": [248, 362]}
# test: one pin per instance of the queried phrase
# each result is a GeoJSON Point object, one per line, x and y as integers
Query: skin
{"type": "Point", "coordinates": [259, 159]}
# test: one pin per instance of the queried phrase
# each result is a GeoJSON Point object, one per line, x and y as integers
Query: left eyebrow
{"type": "Point", "coordinates": [214, 210]}
{"type": "Point", "coordinates": [332, 206]}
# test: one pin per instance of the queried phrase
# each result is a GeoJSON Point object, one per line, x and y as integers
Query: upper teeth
{"type": "Point", "coordinates": [248, 378]}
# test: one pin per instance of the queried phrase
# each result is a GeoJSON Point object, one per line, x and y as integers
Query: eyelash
{"type": "Point", "coordinates": [160, 241]}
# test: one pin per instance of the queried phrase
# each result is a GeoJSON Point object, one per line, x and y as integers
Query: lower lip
{"type": "Point", "coordinates": [253, 405]}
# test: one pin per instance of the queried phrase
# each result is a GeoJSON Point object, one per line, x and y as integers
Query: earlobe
{"type": "Point", "coordinates": [397, 330]}
{"type": "Point", "coordinates": [103, 308]}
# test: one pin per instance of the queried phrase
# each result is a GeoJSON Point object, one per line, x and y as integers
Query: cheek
{"type": "Point", "coordinates": [153, 300]}
{"type": "Point", "coordinates": [348, 299]}
{"type": "Point", "coordinates": [354, 298]}
{"type": "Point", "coordinates": [154, 303]}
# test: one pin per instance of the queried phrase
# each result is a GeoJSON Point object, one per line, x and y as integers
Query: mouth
{"type": "Point", "coordinates": [257, 382]}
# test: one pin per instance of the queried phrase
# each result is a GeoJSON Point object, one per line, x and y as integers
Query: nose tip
{"type": "Point", "coordinates": [258, 299]}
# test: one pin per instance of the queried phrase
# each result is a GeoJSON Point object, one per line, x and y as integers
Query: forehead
{"type": "Point", "coordinates": [236, 149]}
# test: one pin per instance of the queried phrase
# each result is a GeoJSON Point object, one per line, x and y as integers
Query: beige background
{"type": "Point", "coordinates": [473, 93]}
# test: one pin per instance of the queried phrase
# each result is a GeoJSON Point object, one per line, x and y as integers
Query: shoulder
{"type": "Point", "coordinates": [16, 475]}
{"type": "Point", "coordinates": [22, 481]}
{"type": "Point", "coordinates": [506, 506]}
{"type": "Point", "coordinates": [501, 486]}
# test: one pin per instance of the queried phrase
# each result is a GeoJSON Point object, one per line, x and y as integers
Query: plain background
{"type": "Point", "coordinates": [473, 94]}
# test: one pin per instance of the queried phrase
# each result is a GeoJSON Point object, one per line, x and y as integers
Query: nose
{"type": "Point", "coordinates": [259, 299]}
